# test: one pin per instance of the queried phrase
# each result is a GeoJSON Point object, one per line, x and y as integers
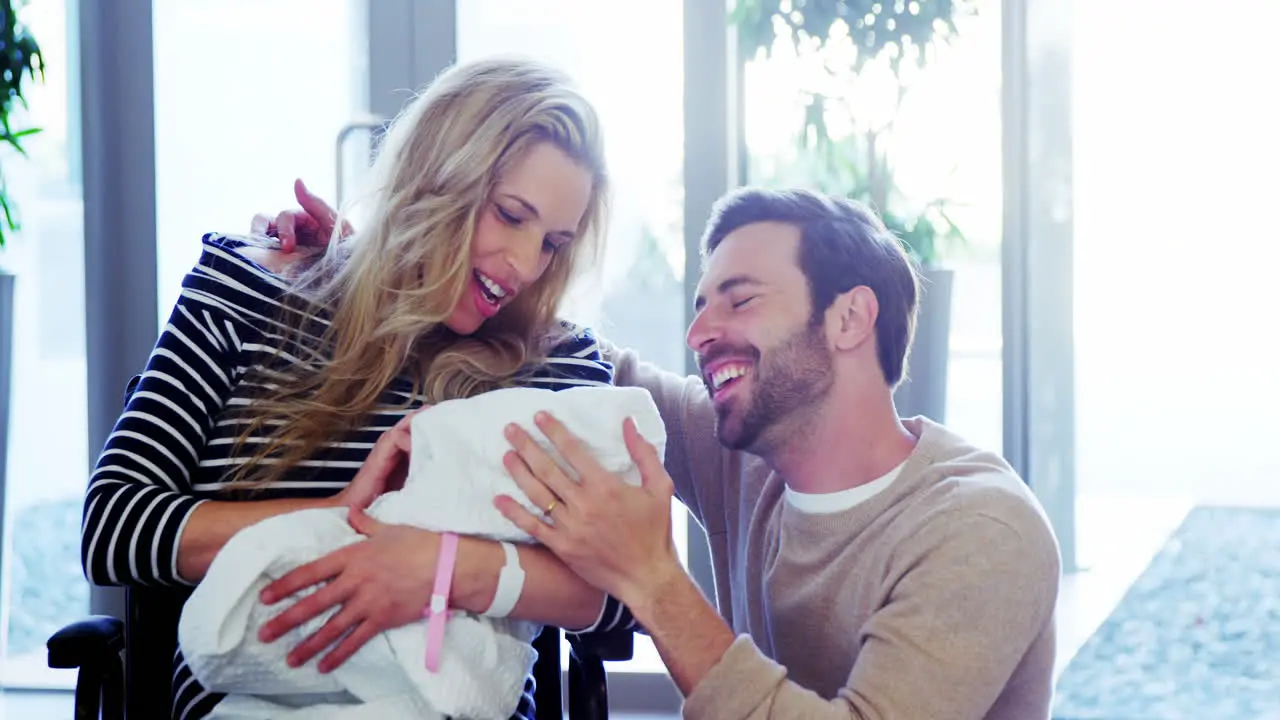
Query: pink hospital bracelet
{"type": "Point", "coordinates": [437, 613]}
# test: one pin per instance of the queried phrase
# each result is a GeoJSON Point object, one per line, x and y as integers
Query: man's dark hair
{"type": "Point", "coordinates": [843, 245]}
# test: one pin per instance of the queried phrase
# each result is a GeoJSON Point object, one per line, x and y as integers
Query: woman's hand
{"type": "Point", "coordinates": [381, 583]}
{"type": "Point", "coordinates": [312, 226]}
{"type": "Point", "coordinates": [383, 470]}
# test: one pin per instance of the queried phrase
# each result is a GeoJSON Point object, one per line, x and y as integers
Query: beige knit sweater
{"type": "Point", "coordinates": [932, 599]}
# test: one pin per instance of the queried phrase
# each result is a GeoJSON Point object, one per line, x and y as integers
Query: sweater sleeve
{"type": "Point", "coordinates": [694, 457]}
{"type": "Point", "coordinates": [140, 493]}
{"type": "Point", "coordinates": [943, 647]}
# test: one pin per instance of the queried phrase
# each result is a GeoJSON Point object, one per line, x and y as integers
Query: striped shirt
{"type": "Point", "coordinates": [172, 448]}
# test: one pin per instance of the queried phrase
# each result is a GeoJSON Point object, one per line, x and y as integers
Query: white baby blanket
{"type": "Point", "coordinates": [455, 471]}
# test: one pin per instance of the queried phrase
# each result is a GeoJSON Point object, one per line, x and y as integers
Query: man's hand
{"type": "Point", "coordinates": [311, 226]}
{"type": "Point", "coordinates": [616, 536]}
{"type": "Point", "coordinates": [381, 583]}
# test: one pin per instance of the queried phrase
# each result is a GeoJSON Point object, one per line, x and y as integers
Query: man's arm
{"type": "Point", "coordinates": [694, 457]}
{"type": "Point", "coordinates": [969, 592]}
{"type": "Point", "coordinates": [689, 634]}
{"type": "Point", "coordinates": [955, 627]}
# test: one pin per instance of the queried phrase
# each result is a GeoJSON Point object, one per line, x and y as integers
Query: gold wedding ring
{"type": "Point", "coordinates": [551, 507]}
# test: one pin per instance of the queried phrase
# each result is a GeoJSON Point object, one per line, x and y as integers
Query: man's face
{"type": "Point", "coordinates": [764, 361]}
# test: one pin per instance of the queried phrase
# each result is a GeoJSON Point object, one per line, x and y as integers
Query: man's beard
{"type": "Point", "coordinates": [790, 380]}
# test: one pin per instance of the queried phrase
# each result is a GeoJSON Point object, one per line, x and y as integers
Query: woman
{"type": "Point", "coordinates": [270, 392]}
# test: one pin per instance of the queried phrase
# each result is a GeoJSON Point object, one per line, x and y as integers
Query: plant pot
{"type": "Point", "coordinates": [924, 388]}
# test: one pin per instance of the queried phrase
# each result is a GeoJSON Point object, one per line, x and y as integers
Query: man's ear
{"type": "Point", "coordinates": [851, 319]}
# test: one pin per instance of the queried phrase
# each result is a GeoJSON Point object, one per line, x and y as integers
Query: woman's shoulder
{"type": "Point", "coordinates": [574, 358]}
{"type": "Point", "coordinates": [233, 274]}
{"type": "Point", "coordinates": [573, 340]}
{"type": "Point", "coordinates": [242, 259]}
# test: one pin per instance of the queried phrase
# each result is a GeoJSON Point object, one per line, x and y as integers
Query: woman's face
{"type": "Point", "coordinates": [533, 212]}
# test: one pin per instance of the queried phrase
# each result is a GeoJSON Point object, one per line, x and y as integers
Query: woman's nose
{"type": "Point", "coordinates": [524, 255]}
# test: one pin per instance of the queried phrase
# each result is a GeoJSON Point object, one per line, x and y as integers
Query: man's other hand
{"type": "Point", "coordinates": [311, 225]}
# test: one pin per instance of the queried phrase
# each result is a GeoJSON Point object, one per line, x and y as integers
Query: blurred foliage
{"type": "Point", "coordinates": [850, 35]}
{"type": "Point", "coordinates": [19, 57]}
{"type": "Point", "coordinates": [841, 167]}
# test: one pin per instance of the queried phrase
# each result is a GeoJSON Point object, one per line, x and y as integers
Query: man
{"type": "Point", "coordinates": [866, 566]}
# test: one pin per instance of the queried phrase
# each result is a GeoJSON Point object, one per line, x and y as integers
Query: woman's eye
{"type": "Point", "coordinates": [548, 246]}
{"type": "Point", "coordinates": [507, 217]}
{"type": "Point", "coordinates": [740, 303]}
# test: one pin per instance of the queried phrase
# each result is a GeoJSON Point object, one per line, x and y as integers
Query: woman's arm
{"type": "Point", "coordinates": [552, 595]}
{"type": "Point", "coordinates": [386, 581]}
{"type": "Point", "coordinates": [212, 523]}
{"type": "Point", "coordinates": [143, 524]}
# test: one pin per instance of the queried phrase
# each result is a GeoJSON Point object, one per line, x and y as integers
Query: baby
{"type": "Point", "coordinates": [455, 471]}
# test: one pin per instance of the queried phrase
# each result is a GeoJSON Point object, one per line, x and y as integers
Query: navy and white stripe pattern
{"type": "Point", "coordinates": [172, 447]}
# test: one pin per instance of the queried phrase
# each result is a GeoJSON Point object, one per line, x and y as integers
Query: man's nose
{"type": "Point", "coordinates": [704, 330]}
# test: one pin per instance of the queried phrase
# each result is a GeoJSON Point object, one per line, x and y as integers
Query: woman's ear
{"type": "Point", "coordinates": [852, 318]}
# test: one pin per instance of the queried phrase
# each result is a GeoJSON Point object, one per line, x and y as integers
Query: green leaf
{"type": "Point", "coordinates": [20, 57]}
{"type": "Point", "coordinates": [10, 213]}
{"type": "Point", "coordinates": [850, 166]}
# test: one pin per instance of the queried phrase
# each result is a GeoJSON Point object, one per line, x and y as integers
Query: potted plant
{"type": "Point", "coordinates": [864, 49]}
{"type": "Point", "coordinates": [20, 58]}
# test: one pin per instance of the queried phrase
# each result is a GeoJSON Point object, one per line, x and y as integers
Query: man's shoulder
{"type": "Point", "coordinates": [968, 490]}
{"type": "Point", "coordinates": [999, 496]}
{"type": "Point", "coordinates": [967, 487]}
{"type": "Point", "coordinates": [986, 522]}
{"type": "Point", "coordinates": [946, 458]}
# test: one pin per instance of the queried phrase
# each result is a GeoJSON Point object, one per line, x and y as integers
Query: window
{"type": "Point", "coordinates": [1175, 157]}
{"type": "Point", "coordinates": [248, 97]}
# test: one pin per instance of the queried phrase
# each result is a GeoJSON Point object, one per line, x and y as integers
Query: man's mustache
{"type": "Point", "coordinates": [718, 351]}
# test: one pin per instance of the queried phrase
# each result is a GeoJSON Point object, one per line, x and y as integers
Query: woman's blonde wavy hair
{"type": "Point", "coordinates": [391, 285]}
